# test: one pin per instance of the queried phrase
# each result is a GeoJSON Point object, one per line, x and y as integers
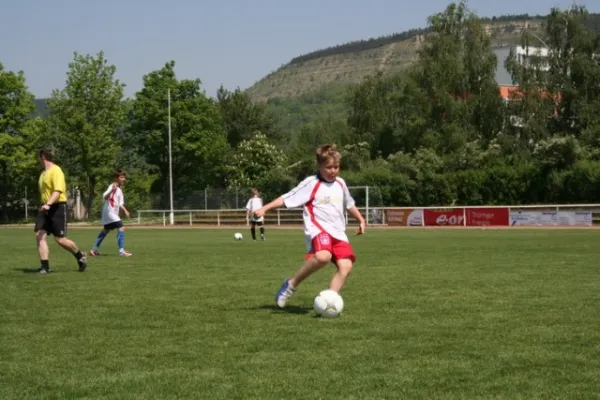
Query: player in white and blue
{"type": "Point", "coordinates": [114, 202]}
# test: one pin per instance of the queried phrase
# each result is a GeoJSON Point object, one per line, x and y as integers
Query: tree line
{"type": "Point", "coordinates": [440, 133]}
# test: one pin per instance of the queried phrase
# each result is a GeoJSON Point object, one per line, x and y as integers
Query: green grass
{"type": "Point", "coordinates": [429, 314]}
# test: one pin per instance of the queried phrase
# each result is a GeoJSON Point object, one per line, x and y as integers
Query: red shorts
{"type": "Point", "coordinates": [338, 248]}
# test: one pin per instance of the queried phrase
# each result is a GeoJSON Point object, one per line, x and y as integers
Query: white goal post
{"type": "Point", "coordinates": [363, 196]}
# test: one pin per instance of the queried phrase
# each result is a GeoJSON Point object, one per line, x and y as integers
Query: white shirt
{"type": "Point", "coordinates": [112, 205]}
{"type": "Point", "coordinates": [325, 205]}
{"type": "Point", "coordinates": [254, 204]}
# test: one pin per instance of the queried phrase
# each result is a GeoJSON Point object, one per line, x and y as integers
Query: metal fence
{"type": "Point", "coordinates": [479, 216]}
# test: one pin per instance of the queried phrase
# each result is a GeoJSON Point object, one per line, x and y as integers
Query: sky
{"type": "Point", "coordinates": [233, 43]}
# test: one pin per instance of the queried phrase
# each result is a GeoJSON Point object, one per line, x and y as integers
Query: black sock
{"type": "Point", "coordinates": [45, 264]}
{"type": "Point", "coordinates": [262, 231]}
{"type": "Point", "coordinates": [253, 231]}
{"type": "Point", "coordinates": [78, 255]}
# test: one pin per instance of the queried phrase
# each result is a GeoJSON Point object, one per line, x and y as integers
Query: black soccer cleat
{"type": "Point", "coordinates": [82, 262]}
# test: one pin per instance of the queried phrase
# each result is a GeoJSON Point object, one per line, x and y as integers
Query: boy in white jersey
{"type": "Point", "coordinates": [254, 204]}
{"type": "Point", "coordinates": [325, 198]}
{"type": "Point", "coordinates": [113, 203]}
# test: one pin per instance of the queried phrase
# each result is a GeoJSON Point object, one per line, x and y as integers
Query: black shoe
{"type": "Point", "coordinates": [82, 263]}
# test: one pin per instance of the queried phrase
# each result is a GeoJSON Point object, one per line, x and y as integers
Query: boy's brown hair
{"type": "Point", "coordinates": [47, 154]}
{"type": "Point", "coordinates": [326, 153]}
{"type": "Point", "coordinates": [119, 172]}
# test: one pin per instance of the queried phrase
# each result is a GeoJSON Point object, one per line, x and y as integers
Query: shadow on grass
{"type": "Point", "coordinates": [287, 309]}
{"type": "Point", "coordinates": [29, 270]}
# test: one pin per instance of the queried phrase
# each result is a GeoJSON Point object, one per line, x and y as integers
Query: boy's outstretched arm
{"type": "Point", "coordinates": [362, 225]}
{"type": "Point", "coordinates": [125, 211]}
{"type": "Point", "coordinates": [277, 203]}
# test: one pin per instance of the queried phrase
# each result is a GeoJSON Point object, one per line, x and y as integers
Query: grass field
{"type": "Point", "coordinates": [429, 314]}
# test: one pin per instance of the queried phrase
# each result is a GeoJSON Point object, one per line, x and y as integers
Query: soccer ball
{"type": "Point", "coordinates": [328, 304]}
{"type": "Point", "coordinates": [238, 236]}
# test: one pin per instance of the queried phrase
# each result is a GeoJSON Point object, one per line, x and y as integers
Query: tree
{"type": "Point", "coordinates": [19, 137]}
{"type": "Point", "coordinates": [84, 120]}
{"type": "Point", "coordinates": [456, 68]}
{"type": "Point", "coordinates": [199, 142]}
{"type": "Point", "coordinates": [448, 98]}
{"type": "Point", "coordinates": [389, 113]}
{"type": "Point", "coordinates": [574, 75]}
{"type": "Point", "coordinates": [253, 159]}
{"type": "Point", "coordinates": [559, 91]}
{"type": "Point", "coordinates": [242, 118]}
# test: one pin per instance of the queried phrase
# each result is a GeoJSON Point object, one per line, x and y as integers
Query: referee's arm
{"type": "Point", "coordinates": [55, 195]}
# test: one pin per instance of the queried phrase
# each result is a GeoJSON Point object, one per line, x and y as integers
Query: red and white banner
{"type": "Point", "coordinates": [441, 217]}
{"type": "Point", "coordinates": [487, 216]}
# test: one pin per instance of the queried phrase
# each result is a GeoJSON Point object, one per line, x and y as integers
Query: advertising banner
{"type": "Point", "coordinates": [440, 217]}
{"type": "Point", "coordinates": [487, 216]}
{"type": "Point", "coordinates": [526, 218]}
{"type": "Point", "coordinates": [551, 218]}
{"type": "Point", "coordinates": [404, 217]}
{"type": "Point", "coordinates": [574, 218]}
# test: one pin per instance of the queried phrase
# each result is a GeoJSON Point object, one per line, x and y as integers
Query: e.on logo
{"type": "Point", "coordinates": [452, 220]}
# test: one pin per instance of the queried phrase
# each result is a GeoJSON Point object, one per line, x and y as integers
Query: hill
{"type": "Point", "coordinates": [351, 62]}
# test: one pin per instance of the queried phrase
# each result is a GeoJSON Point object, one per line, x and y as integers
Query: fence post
{"type": "Point", "coordinates": [509, 209]}
{"type": "Point", "coordinates": [366, 207]}
{"type": "Point", "coordinates": [278, 218]}
{"type": "Point", "coordinates": [164, 218]}
{"type": "Point", "coordinates": [205, 199]}
{"type": "Point", "coordinates": [190, 218]}
{"type": "Point", "coordinates": [139, 217]}
{"type": "Point", "coordinates": [464, 216]}
{"type": "Point", "coordinates": [218, 218]}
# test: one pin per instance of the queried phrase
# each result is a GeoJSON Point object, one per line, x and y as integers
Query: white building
{"type": "Point", "coordinates": [532, 56]}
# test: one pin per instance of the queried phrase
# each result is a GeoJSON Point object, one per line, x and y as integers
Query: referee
{"type": "Point", "coordinates": [52, 217]}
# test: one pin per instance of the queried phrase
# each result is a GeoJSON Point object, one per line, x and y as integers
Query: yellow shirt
{"type": "Point", "coordinates": [53, 180]}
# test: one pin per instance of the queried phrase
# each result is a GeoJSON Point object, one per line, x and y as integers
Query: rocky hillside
{"type": "Point", "coordinates": [350, 63]}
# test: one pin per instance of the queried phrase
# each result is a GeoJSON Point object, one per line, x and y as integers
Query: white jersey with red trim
{"type": "Point", "coordinates": [112, 204]}
{"type": "Point", "coordinates": [324, 204]}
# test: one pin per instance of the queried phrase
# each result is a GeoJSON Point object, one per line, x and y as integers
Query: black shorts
{"type": "Point", "coordinates": [254, 223]}
{"type": "Point", "coordinates": [53, 221]}
{"type": "Point", "coordinates": [113, 225]}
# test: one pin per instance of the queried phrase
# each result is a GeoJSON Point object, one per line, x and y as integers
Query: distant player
{"type": "Point", "coordinates": [325, 198]}
{"type": "Point", "coordinates": [254, 204]}
{"type": "Point", "coordinates": [113, 204]}
{"type": "Point", "coordinates": [52, 218]}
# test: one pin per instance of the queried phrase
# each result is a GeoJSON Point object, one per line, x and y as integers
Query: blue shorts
{"type": "Point", "coordinates": [113, 225]}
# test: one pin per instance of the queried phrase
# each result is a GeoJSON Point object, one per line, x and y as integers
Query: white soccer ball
{"type": "Point", "coordinates": [328, 304]}
{"type": "Point", "coordinates": [238, 236]}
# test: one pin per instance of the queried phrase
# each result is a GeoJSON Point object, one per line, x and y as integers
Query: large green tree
{"type": "Point", "coordinates": [456, 68]}
{"type": "Point", "coordinates": [559, 85]}
{"type": "Point", "coordinates": [242, 118]}
{"type": "Point", "coordinates": [447, 99]}
{"type": "Point", "coordinates": [253, 159]}
{"type": "Point", "coordinates": [84, 120]}
{"type": "Point", "coordinates": [199, 142]}
{"type": "Point", "coordinates": [574, 74]}
{"type": "Point", "coordinates": [19, 139]}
